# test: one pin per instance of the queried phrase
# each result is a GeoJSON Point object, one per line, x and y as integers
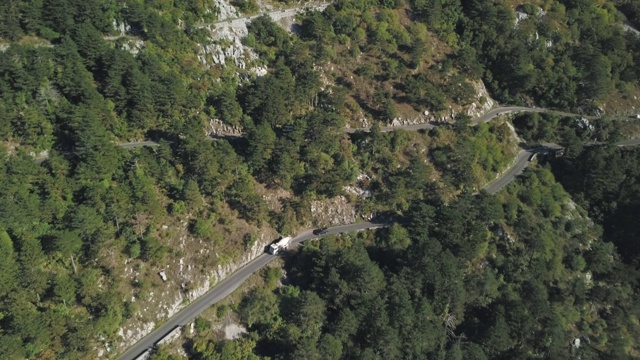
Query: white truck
{"type": "Point", "coordinates": [279, 245]}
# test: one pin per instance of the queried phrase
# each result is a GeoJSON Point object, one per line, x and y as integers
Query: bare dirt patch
{"type": "Point", "coordinates": [233, 330]}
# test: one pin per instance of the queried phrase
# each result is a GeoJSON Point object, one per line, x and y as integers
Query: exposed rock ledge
{"type": "Point", "coordinates": [482, 104]}
{"type": "Point", "coordinates": [171, 300]}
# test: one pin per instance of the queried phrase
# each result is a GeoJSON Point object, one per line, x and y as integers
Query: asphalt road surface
{"type": "Point", "coordinates": [518, 166]}
{"type": "Point", "coordinates": [226, 287]}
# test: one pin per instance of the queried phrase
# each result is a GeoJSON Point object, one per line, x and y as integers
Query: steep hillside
{"type": "Point", "coordinates": [522, 275]}
{"type": "Point", "coordinates": [87, 230]}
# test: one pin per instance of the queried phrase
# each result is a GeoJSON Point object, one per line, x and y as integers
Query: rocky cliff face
{"type": "Point", "coordinates": [225, 36]}
{"type": "Point", "coordinates": [217, 128]}
{"type": "Point", "coordinates": [481, 104]}
{"type": "Point", "coordinates": [195, 268]}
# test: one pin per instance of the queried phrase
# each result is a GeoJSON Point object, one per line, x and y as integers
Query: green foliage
{"type": "Point", "coordinates": [410, 301]}
{"type": "Point", "coordinates": [570, 131]}
{"type": "Point", "coordinates": [130, 309]}
{"type": "Point", "coordinates": [395, 238]}
{"type": "Point", "coordinates": [245, 6]}
{"type": "Point", "coordinates": [134, 249]}
{"type": "Point", "coordinates": [152, 249]}
{"type": "Point", "coordinates": [422, 92]}
{"type": "Point", "coordinates": [536, 59]}
{"type": "Point", "coordinates": [162, 353]}
{"type": "Point", "coordinates": [396, 184]}
{"type": "Point", "coordinates": [226, 106]}
{"type": "Point", "coordinates": [259, 308]}
{"type": "Point", "coordinates": [227, 350]}
{"type": "Point", "coordinates": [191, 195]}
{"type": "Point", "coordinates": [605, 180]}
{"type": "Point", "coordinates": [441, 14]}
{"type": "Point", "coordinates": [202, 325]}
{"type": "Point", "coordinates": [267, 37]}
{"type": "Point", "coordinates": [316, 27]}
{"type": "Point", "coordinates": [202, 228]}
{"type": "Point", "coordinates": [222, 311]}
{"type": "Point", "coordinates": [307, 156]}
{"type": "Point", "coordinates": [272, 276]}
{"type": "Point", "coordinates": [249, 240]}
{"type": "Point", "coordinates": [178, 208]}
{"type": "Point", "coordinates": [7, 279]}
{"type": "Point", "coordinates": [631, 9]}
{"type": "Point", "coordinates": [481, 147]}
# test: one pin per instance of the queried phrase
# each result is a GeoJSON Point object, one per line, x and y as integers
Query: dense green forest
{"type": "Point", "coordinates": [565, 54]}
{"type": "Point", "coordinates": [572, 133]}
{"type": "Point", "coordinates": [606, 181]}
{"type": "Point", "coordinates": [69, 87]}
{"type": "Point", "coordinates": [601, 177]}
{"type": "Point", "coordinates": [517, 276]}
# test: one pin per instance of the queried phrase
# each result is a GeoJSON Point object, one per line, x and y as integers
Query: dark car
{"type": "Point", "coordinates": [320, 231]}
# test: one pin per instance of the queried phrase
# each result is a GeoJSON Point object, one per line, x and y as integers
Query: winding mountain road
{"type": "Point", "coordinates": [236, 279]}
{"type": "Point", "coordinates": [490, 115]}
{"type": "Point", "coordinates": [224, 288]}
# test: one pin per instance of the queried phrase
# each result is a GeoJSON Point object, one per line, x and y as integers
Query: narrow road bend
{"type": "Point", "coordinates": [224, 288]}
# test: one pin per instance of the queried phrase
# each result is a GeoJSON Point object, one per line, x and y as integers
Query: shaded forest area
{"type": "Point", "coordinates": [606, 182]}
{"type": "Point", "coordinates": [631, 9]}
{"type": "Point", "coordinates": [601, 177]}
